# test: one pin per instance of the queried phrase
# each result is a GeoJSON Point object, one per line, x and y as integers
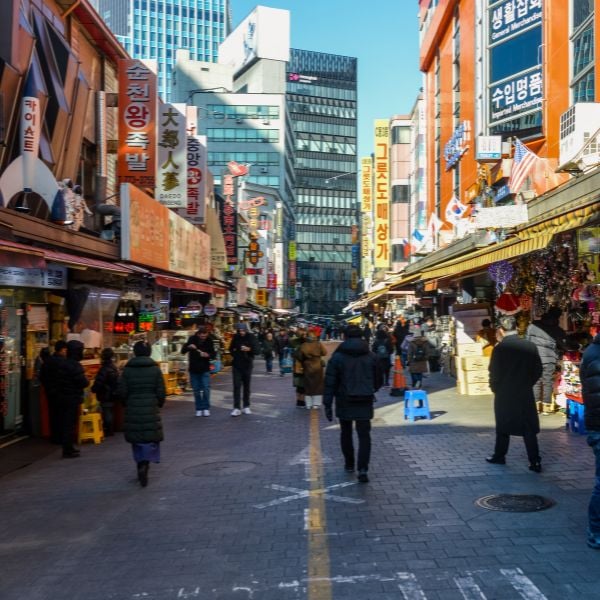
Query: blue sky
{"type": "Point", "coordinates": [382, 34]}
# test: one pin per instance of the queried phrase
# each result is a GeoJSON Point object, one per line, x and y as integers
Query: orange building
{"type": "Point", "coordinates": [496, 70]}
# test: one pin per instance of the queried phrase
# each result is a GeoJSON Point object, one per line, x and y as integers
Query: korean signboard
{"type": "Point", "coordinates": [171, 175]}
{"type": "Point", "coordinates": [229, 218]}
{"type": "Point", "coordinates": [516, 46]}
{"type": "Point", "coordinates": [366, 224]}
{"type": "Point", "coordinates": [54, 277]}
{"type": "Point", "coordinates": [170, 243]}
{"type": "Point", "coordinates": [382, 194]}
{"type": "Point", "coordinates": [513, 16]}
{"type": "Point", "coordinates": [458, 144]}
{"type": "Point", "coordinates": [489, 147]}
{"type": "Point", "coordinates": [136, 158]}
{"type": "Point", "coordinates": [197, 171]}
{"type": "Point", "coordinates": [517, 95]}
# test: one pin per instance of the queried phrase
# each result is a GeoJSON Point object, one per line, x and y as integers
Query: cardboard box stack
{"type": "Point", "coordinates": [471, 366]}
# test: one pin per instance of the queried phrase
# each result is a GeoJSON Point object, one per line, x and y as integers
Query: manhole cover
{"type": "Point", "coordinates": [219, 468]}
{"type": "Point", "coordinates": [515, 502]}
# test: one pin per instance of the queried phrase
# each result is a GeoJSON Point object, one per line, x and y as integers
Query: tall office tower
{"type": "Point", "coordinates": [322, 101]}
{"type": "Point", "coordinates": [155, 29]}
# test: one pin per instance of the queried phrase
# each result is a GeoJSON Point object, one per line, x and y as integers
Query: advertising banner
{"type": "Point", "coordinates": [136, 154]}
{"type": "Point", "coordinates": [382, 194]}
{"type": "Point", "coordinates": [155, 236]}
{"type": "Point", "coordinates": [501, 216]}
{"type": "Point", "coordinates": [54, 277]}
{"type": "Point", "coordinates": [366, 224]}
{"type": "Point", "coordinates": [171, 175]}
{"type": "Point", "coordinates": [229, 218]}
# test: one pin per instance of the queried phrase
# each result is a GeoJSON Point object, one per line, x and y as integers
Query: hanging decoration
{"type": "Point", "coordinates": [501, 273]}
{"type": "Point", "coordinates": [508, 304]}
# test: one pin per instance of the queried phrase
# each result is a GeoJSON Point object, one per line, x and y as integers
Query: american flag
{"type": "Point", "coordinates": [523, 160]}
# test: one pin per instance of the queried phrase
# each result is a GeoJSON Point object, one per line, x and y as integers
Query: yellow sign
{"type": "Point", "coordinates": [292, 252]}
{"type": "Point", "coordinates": [262, 297]}
{"type": "Point", "coordinates": [366, 222]}
{"type": "Point", "coordinates": [382, 194]}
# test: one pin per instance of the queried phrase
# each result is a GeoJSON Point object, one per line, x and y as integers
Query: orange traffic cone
{"type": "Point", "coordinates": [399, 385]}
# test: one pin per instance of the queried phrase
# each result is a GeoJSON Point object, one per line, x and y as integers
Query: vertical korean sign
{"type": "Point", "coordinates": [196, 171]}
{"type": "Point", "coordinates": [228, 214]}
{"type": "Point", "coordinates": [366, 222]}
{"type": "Point", "coordinates": [171, 174]}
{"type": "Point", "coordinates": [382, 194]}
{"type": "Point", "coordinates": [30, 137]}
{"type": "Point", "coordinates": [136, 158]}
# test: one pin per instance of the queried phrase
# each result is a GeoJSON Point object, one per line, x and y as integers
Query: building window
{"type": "Point", "coordinates": [400, 135]}
{"type": "Point", "coordinates": [582, 42]}
{"type": "Point", "coordinates": [400, 194]}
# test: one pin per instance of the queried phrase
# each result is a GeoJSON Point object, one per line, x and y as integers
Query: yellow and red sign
{"type": "Point", "coordinates": [382, 194]}
{"type": "Point", "coordinates": [366, 222]}
{"type": "Point", "coordinates": [136, 156]}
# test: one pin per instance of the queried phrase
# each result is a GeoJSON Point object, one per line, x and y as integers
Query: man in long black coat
{"type": "Point", "coordinates": [49, 378]}
{"type": "Point", "coordinates": [352, 377]}
{"type": "Point", "coordinates": [515, 366]}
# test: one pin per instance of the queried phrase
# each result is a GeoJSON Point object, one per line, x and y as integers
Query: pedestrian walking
{"type": "Point", "coordinates": [418, 354]}
{"type": "Point", "coordinates": [282, 341]}
{"type": "Point", "coordinates": [311, 355]}
{"type": "Point", "coordinates": [515, 366]}
{"type": "Point", "coordinates": [400, 332]}
{"type": "Point", "coordinates": [352, 377]}
{"type": "Point", "coordinates": [49, 379]}
{"type": "Point", "coordinates": [243, 348]}
{"type": "Point", "coordinates": [383, 348]}
{"type": "Point", "coordinates": [268, 350]}
{"type": "Point", "coordinates": [589, 372]}
{"type": "Point", "coordinates": [201, 350]}
{"type": "Point", "coordinates": [70, 384]}
{"type": "Point", "coordinates": [142, 391]}
{"type": "Point", "coordinates": [106, 388]}
{"type": "Point", "coordinates": [297, 372]}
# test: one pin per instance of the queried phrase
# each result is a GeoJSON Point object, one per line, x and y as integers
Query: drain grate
{"type": "Point", "coordinates": [220, 468]}
{"type": "Point", "coordinates": [515, 502]}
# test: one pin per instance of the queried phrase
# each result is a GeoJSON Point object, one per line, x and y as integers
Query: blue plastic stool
{"type": "Point", "coordinates": [416, 404]}
{"type": "Point", "coordinates": [576, 417]}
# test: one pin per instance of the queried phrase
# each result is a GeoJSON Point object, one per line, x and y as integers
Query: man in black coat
{"type": "Point", "coordinates": [515, 366]}
{"type": "Point", "coordinates": [352, 378]}
{"type": "Point", "coordinates": [49, 379]}
{"type": "Point", "coordinates": [244, 347]}
{"type": "Point", "coordinates": [71, 381]}
{"type": "Point", "coordinates": [589, 373]}
{"type": "Point", "coordinates": [201, 351]}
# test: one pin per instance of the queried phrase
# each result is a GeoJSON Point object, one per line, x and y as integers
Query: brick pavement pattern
{"type": "Point", "coordinates": [224, 516]}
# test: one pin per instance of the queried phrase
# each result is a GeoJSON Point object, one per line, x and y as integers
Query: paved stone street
{"type": "Point", "coordinates": [259, 507]}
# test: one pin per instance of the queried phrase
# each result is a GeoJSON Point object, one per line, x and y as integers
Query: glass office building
{"type": "Point", "coordinates": [322, 102]}
{"type": "Point", "coordinates": [155, 29]}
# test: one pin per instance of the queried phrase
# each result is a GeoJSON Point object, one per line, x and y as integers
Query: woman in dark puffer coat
{"type": "Point", "coordinates": [142, 390]}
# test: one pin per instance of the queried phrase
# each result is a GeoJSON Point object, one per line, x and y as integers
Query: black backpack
{"type": "Point", "coordinates": [419, 353]}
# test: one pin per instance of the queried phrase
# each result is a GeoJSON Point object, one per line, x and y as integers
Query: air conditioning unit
{"type": "Point", "coordinates": [578, 125]}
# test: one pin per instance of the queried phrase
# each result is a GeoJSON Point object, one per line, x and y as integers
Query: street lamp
{"type": "Point", "coordinates": [330, 179]}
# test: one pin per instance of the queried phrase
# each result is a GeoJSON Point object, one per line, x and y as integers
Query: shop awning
{"type": "Point", "coordinates": [82, 262]}
{"type": "Point", "coordinates": [13, 254]}
{"type": "Point", "coordinates": [178, 283]}
{"type": "Point", "coordinates": [355, 320]}
{"type": "Point", "coordinates": [529, 239]}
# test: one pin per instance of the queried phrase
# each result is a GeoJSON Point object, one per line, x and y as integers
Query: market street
{"type": "Point", "coordinates": [259, 507]}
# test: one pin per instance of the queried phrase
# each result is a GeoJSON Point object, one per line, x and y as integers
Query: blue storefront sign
{"type": "Point", "coordinates": [458, 144]}
{"type": "Point", "coordinates": [518, 95]}
{"type": "Point", "coordinates": [355, 256]}
{"type": "Point", "coordinates": [513, 16]}
{"type": "Point", "coordinates": [502, 192]}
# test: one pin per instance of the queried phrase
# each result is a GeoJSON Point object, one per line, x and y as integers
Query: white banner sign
{"type": "Point", "coordinates": [171, 176]}
{"type": "Point", "coordinates": [501, 216]}
{"type": "Point", "coordinates": [52, 278]}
